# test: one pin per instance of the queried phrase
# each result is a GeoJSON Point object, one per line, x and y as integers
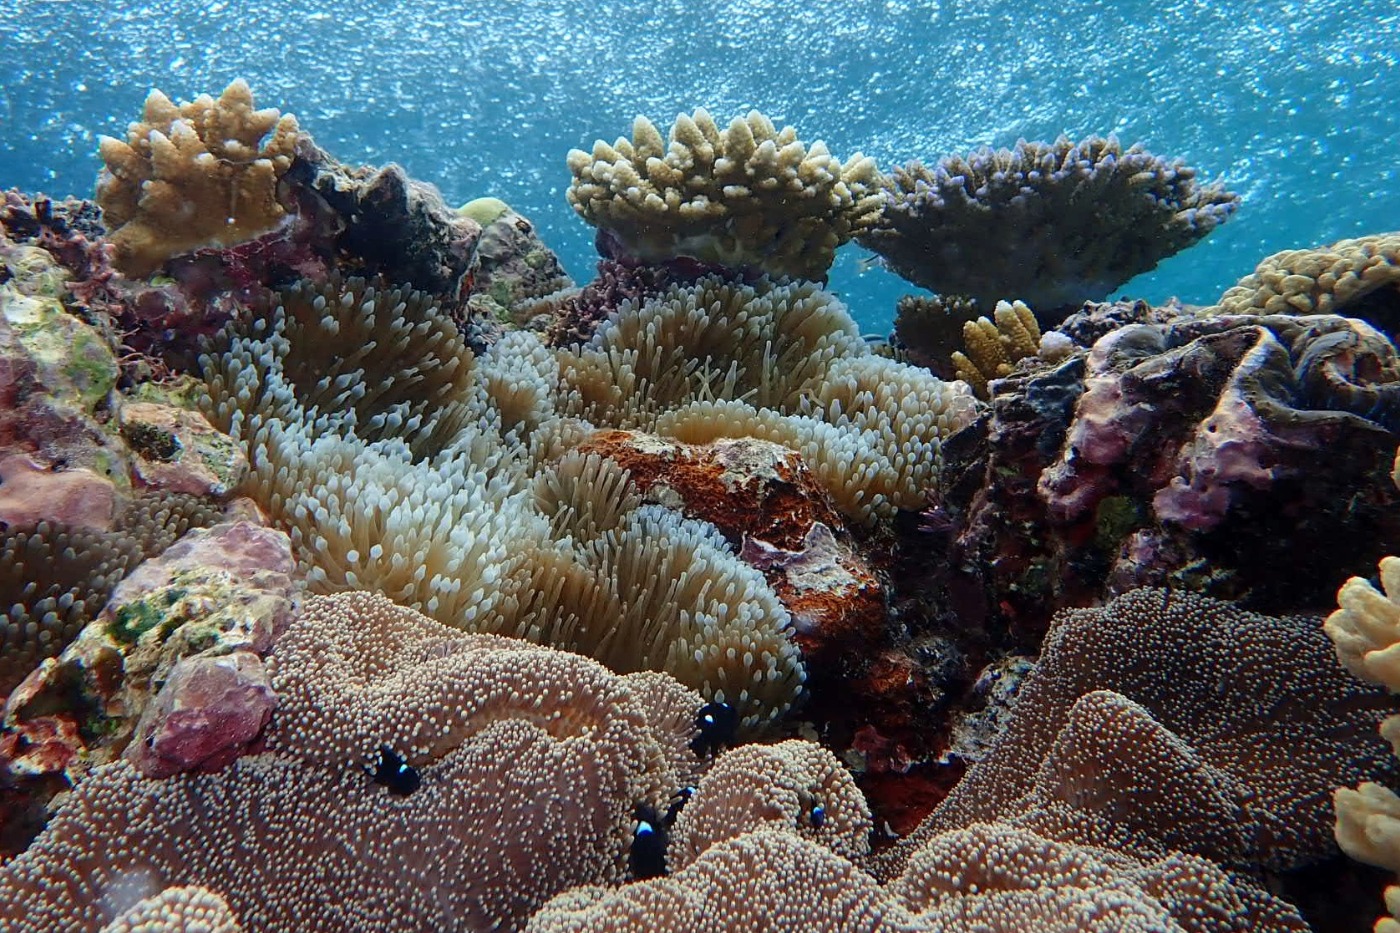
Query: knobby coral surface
{"type": "Point", "coordinates": [1172, 722]}
{"type": "Point", "coordinates": [1355, 278]}
{"type": "Point", "coordinates": [747, 196]}
{"type": "Point", "coordinates": [1051, 224]}
{"type": "Point", "coordinates": [529, 761]}
{"type": "Point", "coordinates": [197, 174]}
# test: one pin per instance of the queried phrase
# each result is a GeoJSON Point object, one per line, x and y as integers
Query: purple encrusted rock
{"type": "Point", "coordinates": [207, 714]}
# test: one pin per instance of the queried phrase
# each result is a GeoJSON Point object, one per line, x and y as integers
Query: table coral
{"type": "Point", "coordinates": [193, 175]}
{"type": "Point", "coordinates": [748, 196]}
{"type": "Point", "coordinates": [1051, 224]}
{"type": "Point", "coordinates": [531, 762]}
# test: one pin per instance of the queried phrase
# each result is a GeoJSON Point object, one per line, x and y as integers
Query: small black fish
{"type": "Point", "coordinates": [647, 856]}
{"type": "Point", "coordinates": [396, 774]}
{"type": "Point", "coordinates": [716, 724]}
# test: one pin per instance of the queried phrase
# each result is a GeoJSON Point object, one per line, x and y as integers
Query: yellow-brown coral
{"type": "Point", "coordinates": [750, 195]}
{"type": "Point", "coordinates": [1322, 280]}
{"type": "Point", "coordinates": [993, 349]}
{"type": "Point", "coordinates": [1366, 630]}
{"type": "Point", "coordinates": [192, 175]}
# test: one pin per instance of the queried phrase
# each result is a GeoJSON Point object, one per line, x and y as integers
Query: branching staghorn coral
{"type": "Point", "coordinates": [197, 174]}
{"type": "Point", "coordinates": [993, 349]}
{"type": "Point", "coordinates": [530, 764]}
{"type": "Point", "coordinates": [749, 196]}
{"type": "Point", "coordinates": [1053, 225]}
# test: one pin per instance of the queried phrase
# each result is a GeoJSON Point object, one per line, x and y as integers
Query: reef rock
{"type": "Point", "coordinates": [1246, 457]}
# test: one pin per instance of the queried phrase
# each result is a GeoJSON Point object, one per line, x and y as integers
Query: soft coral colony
{"type": "Point", "coordinates": [364, 573]}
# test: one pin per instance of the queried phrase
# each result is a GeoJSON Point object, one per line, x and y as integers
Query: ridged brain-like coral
{"type": "Point", "coordinates": [747, 196]}
{"type": "Point", "coordinates": [197, 174]}
{"type": "Point", "coordinates": [1053, 224]}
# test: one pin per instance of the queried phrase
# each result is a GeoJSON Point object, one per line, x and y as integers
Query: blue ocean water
{"type": "Point", "coordinates": [1296, 104]}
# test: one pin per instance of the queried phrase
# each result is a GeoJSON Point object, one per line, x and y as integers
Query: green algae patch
{"type": "Point", "coordinates": [485, 211]}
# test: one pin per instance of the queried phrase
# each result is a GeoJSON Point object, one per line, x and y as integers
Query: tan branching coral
{"type": "Point", "coordinates": [197, 174]}
{"type": "Point", "coordinates": [1366, 630]}
{"type": "Point", "coordinates": [994, 348]}
{"type": "Point", "coordinates": [530, 763]}
{"type": "Point", "coordinates": [1323, 280]}
{"type": "Point", "coordinates": [750, 195]}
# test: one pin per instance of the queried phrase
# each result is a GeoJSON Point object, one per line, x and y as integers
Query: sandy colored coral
{"type": "Point", "coordinates": [1332, 279]}
{"type": "Point", "coordinates": [749, 195]}
{"type": "Point", "coordinates": [193, 175]}
{"type": "Point", "coordinates": [1052, 224]}
{"type": "Point", "coordinates": [1154, 723]}
{"type": "Point", "coordinates": [993, 348]}
{"type": "Point", "coordinates": [794, 786]}
{"type": "Point", "coordinates": [188, 909]}
{"type": "Point", "coordinates": [531, 762]}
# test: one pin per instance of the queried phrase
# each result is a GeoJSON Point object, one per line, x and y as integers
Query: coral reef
{"type": "Point", "coordinates": [530, 762]}
{"type": "Point", "coordinates": [359, 572]}
{"type": "Point", "coordinates": [199, 174]}
{"type": "Point", "coordinates": [994, 347]}
{"type": "Point", "coordinates": [1051, 224]}
{"type": "Point", "coordinates": [748, 196]}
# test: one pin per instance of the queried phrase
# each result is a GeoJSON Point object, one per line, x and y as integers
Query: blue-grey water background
{"type": "Point", "coordinates": [1296, 104]}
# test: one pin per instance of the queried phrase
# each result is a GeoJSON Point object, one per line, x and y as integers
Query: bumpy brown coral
{"type": "Point", "coordinates": [1160, 723]}
{"type": "Point", "coordinates": [187, 909]}
{"type": "Point", "coordinates": [529, 763]}
{"type": "Point", "coordinates": [747, 196]}
{"type": "Point", "coordinates": [197, 174]}
{"type": "Point", "coordinates": [994, 348]}
{"type": "Point", "coordinates": [1355, 278]}
{"type": "Point", "coordinates": [1051, 224]}
{"type": "Point", "coordinates": [794, 786]}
